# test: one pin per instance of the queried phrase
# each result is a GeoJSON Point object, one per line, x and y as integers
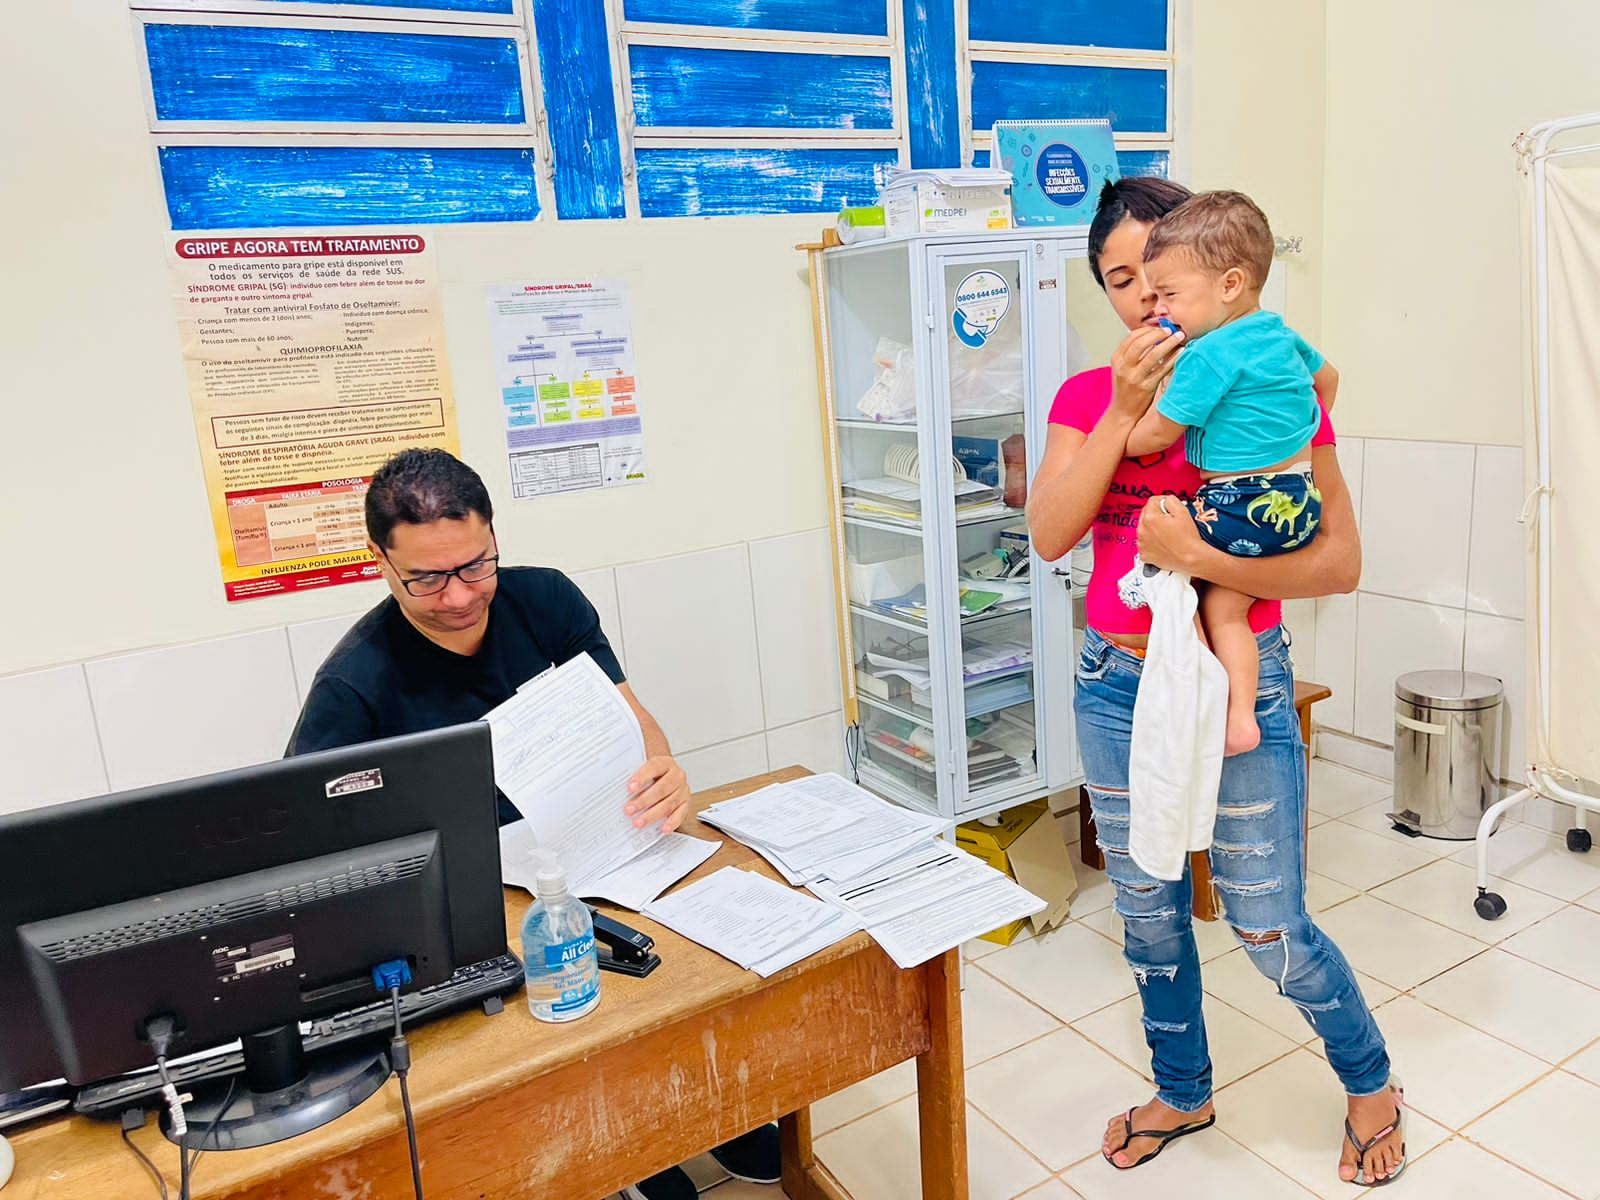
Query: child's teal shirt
{"type": "Point", "coordinates": [1244, 390]}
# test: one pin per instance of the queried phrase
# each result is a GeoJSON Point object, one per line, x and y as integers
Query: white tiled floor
{"type": "Point", "coordinates": [1495, 1029]}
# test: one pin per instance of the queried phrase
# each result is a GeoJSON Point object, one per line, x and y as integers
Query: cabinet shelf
{"type": "Point", "coordinates": [911, 426]}
{"type": "Point", "coordinates": [899, 622]}
{"type": "Point", "coordinates": [916, 529]}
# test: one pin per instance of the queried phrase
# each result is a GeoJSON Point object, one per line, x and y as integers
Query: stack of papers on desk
{"type": "Point", "coordinates": [820, 826]}
{"type": "Point", "coordinates": [930, 900]}
{"type": "Point", "coordinates": [883, 866]}
{"type": "Point", "coordinates": [752, 920]}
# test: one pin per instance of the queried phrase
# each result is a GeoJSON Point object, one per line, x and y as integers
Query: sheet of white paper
{"type": "Point", "coordinates": [848, 866]}
{"type": "Point", "coordinates": [564, 748]}
{"type": "Point", "coordinates": [914, 672]}
{"type": "Point", "coordinates": [985, 902]}
{"type": "Point", "coordinates": [879, 822]}
{"type": "Point", "coordinates": [775, 816]}
{"type": "Point", "coordinates": [645, 876]}
{"type": "Point", "coordinates": [742, 916]}
{"type": "Point", "coordinates": [922, 880]}
{"type": "Point", "coordinates": [839, 925]}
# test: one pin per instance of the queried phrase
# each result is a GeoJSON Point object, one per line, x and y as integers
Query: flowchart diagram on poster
{"type": "Point", "coordinates": [564, 363]}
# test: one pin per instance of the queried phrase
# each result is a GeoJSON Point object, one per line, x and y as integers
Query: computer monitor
{"type": "Point", "coordinates": [239, 904]}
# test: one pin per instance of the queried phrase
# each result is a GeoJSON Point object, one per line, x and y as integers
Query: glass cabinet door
{"type": "Point", "coordinates": [982, 340]}
{"type": "Point", "coordinates": [873, 351]}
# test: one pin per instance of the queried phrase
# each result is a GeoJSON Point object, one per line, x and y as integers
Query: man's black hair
{"type": "Point", "coordinates": [418, 487]}
{"type": "Point", "coordinates": [1145, 198]}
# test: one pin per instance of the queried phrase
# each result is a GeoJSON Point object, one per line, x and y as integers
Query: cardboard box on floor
{"type": "Point", "coordinates": [1027, 845]}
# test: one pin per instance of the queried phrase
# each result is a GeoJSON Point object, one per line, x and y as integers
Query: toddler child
{"type": "Point", "coordinates": [1243, 395]}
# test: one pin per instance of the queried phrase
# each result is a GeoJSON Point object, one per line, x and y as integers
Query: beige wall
{"type": "Point", "coordinates": [1420, 251]}
{"type": "Point", "coordinates": [1255, 121]}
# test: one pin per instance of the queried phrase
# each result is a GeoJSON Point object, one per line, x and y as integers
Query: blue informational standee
{"type": "Point", "coordinates": [1057, 168]}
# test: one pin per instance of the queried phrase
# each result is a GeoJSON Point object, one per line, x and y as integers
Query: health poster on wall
{"type": "Point", "coordinates": [311, 358]}
{"type": "Point", "coordinates": [564, 363]}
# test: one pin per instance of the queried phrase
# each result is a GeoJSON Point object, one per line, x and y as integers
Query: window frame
{"type": "Point", "coordinates": [623, 35]}
{"type": "Point", "coordinates": [531, 133]}
{"type": "Point", "coordinates": [1172, 60]}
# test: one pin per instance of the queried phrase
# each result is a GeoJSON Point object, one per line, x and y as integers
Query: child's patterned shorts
{"type": "Point", "coordinates": [1258, 515]}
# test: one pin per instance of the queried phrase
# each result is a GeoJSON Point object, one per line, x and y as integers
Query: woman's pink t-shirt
{"type": "Point", "coordinates": [1080, 403]}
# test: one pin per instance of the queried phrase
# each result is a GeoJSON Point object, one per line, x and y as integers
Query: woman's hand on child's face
{"type": "Point", "coordinates": [1140, 364]}
{"type": "Point", "coordinates": [1167, 535]}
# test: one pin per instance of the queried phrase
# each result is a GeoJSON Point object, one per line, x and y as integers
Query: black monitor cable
{"type": "Point", "coordinates": [400, 1056]}
{"type": "Point", "coordinates": [161, 1032]}
{"type": "Point", "coordinates": [133, 1119]}
{"type": "Point", "coordinates": [390, 977]}
{"type": "Point", "coordinates": [188, 1161]}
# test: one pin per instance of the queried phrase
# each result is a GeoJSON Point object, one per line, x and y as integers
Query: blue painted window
{"type": "Point", "coordinates": [1075, 59]}
{"type": "Point", "coordinates": [501, 7]}
{"type": "Point", "coordinates": [1113, 24]}
{"type": "Point", "coordinates": [730, 112]}
{"type": "Point", "coordinates": [688, 86]}
{"type": "Point", "coordinates": [1134, 100]}
{"type": "Point", "coordinates": [803, 16]}
{"type": "Point", "coordinates": [446, 82]}
{"type": "Point", "coordinates": [651, 107]}
{"type": "Point", "coordinates": [710, 182]}
{"type": "Point", "coordinates": [316, 75]}
{"type": "Point", "coordinates": [276, 187]}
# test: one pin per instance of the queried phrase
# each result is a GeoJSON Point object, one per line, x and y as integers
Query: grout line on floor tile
{"type": "Point", "coordinates": [1501, 945]}
{"type": "Point", "coordinates": [1523, 1167]}
{"type": "Point", "coordinates": [1270, 1165]}
{"type": "Point", "coordinates": [978, 966]}
{"type": "Point", "coordinates": [1584, 1049]}
{"type": "Point", "coordinates": [1486, 1033]}
{"type": "Point", "coordinates": [1060, 1025]}
{"type": "Point", "coordinates": [1043, 1166]}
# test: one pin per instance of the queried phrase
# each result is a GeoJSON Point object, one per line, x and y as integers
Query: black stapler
{"type": "Point", "coordinates": [622, 949]}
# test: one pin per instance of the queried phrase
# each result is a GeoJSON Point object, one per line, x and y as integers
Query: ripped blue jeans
{"type": "Point", "coordinates": [1257, 857]}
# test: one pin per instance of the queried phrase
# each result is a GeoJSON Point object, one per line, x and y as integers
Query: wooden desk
{"type": "Point", "coordinates": [665, 1068]}
{"type": "Point", "coordinates": [1205, 905]}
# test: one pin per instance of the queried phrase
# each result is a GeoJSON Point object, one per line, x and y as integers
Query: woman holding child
{"type": "Point", "coordinates": [1094, 476]}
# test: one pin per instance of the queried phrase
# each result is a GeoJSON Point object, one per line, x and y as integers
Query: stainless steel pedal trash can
{"type": "Point", "coordinates": [1446, 744]}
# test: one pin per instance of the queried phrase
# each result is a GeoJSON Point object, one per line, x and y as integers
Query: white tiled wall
{"type": "Point", "coordinates": [732, 649]}
{"type": "Point", "coordinates": [1441, 587]}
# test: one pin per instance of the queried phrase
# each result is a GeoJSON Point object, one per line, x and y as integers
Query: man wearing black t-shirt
{"type": "Point", "coordinates": [459, 635]}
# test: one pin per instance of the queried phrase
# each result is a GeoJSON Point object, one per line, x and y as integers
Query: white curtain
{"type": "Point", "coordinates": [1570, 740]}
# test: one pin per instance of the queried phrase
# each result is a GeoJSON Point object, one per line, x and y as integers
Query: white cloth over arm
{"type": "Point", "coordinates": [1179, 728]}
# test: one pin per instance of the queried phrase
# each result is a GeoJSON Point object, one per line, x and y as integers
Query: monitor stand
{"type": "Point", "coordinates": [282, 1093]}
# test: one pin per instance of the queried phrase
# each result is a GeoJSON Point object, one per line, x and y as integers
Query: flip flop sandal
{"type": "Point", "coordinates": [1365, 1148]}
{"type": "Point", "coordinates": [1162, 1136]}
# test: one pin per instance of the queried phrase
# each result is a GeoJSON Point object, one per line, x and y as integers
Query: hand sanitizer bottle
{"type": "Point", "coordinates": [558, 955]}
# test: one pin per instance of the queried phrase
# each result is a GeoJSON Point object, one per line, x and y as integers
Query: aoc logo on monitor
{"type": "Point", "coordinates": [356, 781]}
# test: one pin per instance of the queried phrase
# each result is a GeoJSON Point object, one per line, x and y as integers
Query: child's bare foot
{"type": "Point", "coordinates": [1244, 735]}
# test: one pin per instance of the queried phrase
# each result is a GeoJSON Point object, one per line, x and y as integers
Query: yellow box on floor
{"type": "Point", "coordinates": [1031, 851]}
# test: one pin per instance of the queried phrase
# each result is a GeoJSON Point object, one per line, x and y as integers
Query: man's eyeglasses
{"type": "Point", "coordinates": [434, 582]}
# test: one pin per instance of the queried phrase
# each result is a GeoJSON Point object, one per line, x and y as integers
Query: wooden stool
{"type": "Point", "coordinates": [1206, 905]}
